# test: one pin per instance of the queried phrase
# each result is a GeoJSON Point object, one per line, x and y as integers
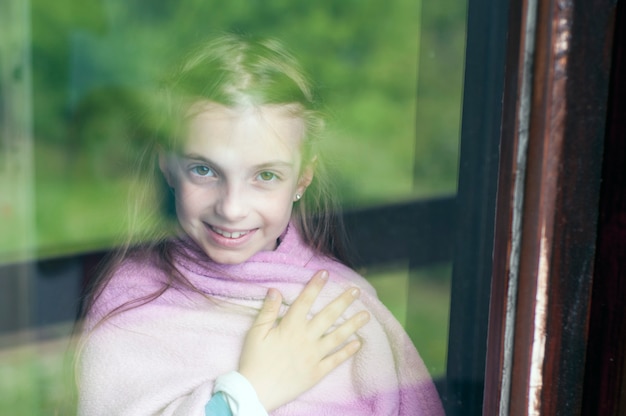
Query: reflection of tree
{"type": "Point", "coordinates": [348, 47]}
{"type": "Point", "coordinates": [17, 223]}
{"type": "Point", "coordinates": [104, 133]}
{"type": "Point", "coordinates": [89, 58]}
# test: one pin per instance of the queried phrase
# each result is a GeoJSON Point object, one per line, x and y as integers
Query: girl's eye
{"type": "Point", "coordinates": [267, 176]}
{"type": "Point", "coordinates": [202, 171]}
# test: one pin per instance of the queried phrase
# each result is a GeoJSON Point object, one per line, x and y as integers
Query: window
{"type": "Point", "coordinates": [424, 106]}
{"type": "Point", "coordinates": [390, 75]}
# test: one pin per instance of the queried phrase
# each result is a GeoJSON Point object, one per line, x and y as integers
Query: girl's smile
{"type": "Point", "coordinates": [229, 234]}
{"type": "Point", "coordinates": [236, 177]}
{"type": "Point", "coordinates": [229, 239]}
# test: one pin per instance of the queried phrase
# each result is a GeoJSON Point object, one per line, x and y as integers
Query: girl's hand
{"type": "Point", "coordinates": [285, 360]}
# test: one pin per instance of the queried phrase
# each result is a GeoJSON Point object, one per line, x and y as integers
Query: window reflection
{"type": "Point", "coordinates": [390, 75]}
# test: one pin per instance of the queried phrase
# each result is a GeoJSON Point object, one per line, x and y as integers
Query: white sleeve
{"type": "Point", "coordinates": [240, 395]}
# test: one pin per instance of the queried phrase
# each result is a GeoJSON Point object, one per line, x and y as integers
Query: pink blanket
{"type": "Point", "coordinates": [162, 358]}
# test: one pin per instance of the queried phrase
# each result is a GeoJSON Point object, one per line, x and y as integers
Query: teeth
{"type": "Point", "coordinates": [226, 234]}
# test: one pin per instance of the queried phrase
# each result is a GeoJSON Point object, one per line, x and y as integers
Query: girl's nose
{"type": "Point", "coordinates": [232, 204]}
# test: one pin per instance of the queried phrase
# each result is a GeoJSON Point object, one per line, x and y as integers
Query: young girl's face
{"type": "Point", "coordinates": [237, 177]}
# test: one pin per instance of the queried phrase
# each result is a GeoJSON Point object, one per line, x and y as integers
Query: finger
{"type": "Point", "coordinates": [337, 337]}
{"type": "Point", "coordinates": [302, 305]}
{"type": "Point", "coordinates": [335, 359]}
{"type": "Point", "coordinates": [268, 314]}
{"type": "Point", "coordinates": [328, 316]}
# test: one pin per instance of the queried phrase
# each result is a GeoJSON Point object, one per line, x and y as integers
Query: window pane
{"type": "Point", "coordinates": [389, 74]}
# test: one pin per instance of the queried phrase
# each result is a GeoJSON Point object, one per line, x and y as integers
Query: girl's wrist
{"type": "Point", "coordinates": [240, 394]}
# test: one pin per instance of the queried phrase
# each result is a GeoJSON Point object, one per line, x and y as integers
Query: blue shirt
{"type": "Point", "coordinates": [217, 406]}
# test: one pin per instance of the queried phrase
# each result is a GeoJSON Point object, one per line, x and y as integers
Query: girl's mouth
{"type": "Point", "coordinates": [232, 235]}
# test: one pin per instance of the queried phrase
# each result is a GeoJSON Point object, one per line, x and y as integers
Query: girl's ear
{"type": "Point", "coordinates": [165, 168]}
{"type": "Point", "coordinates": [306, 177]}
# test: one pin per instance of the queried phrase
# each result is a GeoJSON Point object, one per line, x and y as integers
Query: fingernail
{"type": "Point", "coordinates": [355, 292]}
{"type": "Point", "coordinates": [364, 317]}
{"type": "Point", "coordinates": [324, 275]}
{"type": "Point", "coordinates": [272, 294]}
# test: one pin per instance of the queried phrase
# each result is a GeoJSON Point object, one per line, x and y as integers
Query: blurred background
{"type": "Point", "coordinates": [389, 72]}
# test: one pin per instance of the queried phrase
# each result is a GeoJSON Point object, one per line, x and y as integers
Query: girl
{"type": "Point", "coordinates": [188, 323]}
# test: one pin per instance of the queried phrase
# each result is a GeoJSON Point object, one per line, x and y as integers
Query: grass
{"type": "Point", "coordinates": [35, 378]}
{"type": "Point", "coordinates": [422, 307]}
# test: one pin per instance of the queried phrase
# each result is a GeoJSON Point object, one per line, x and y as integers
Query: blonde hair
{"type": "Point", "coordinates": [230, 70]}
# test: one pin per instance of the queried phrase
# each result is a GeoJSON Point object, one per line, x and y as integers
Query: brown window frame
{"type": "Point", "coordinates": [544, 279]}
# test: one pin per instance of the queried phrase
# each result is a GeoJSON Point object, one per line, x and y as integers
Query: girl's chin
{"type": "Point", "coordinates": [223, 255]}
{"type": "Point", "coordinates": [228, 258]}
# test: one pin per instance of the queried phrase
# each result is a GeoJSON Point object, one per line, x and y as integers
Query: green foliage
{"type": "Point", "coordinates": [386, 143]}
{"type": "Point", "coordinates": [388, 72]}
{"type": "Point", "coordinates": [37, 380]}
{"type": "Point", "coordinates": [421, 307]}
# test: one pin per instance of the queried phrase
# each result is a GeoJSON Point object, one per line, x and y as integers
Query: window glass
{"type": "Point", "coordinates": [389, 74]}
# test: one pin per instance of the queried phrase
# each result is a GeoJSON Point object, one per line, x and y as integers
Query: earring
{"type": "Point", "coordinates": [298, 196]}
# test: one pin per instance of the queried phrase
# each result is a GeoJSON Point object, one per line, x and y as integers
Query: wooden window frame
{"type": "Point", "coordinates": [554, 123]}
